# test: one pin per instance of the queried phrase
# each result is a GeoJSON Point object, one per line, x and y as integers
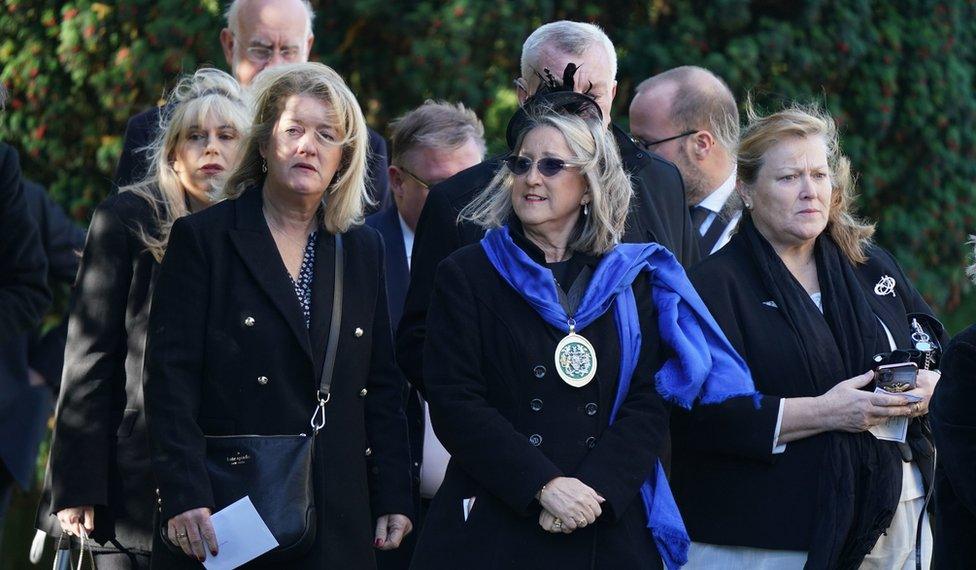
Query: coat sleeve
{"type": "Point", "coordinates": [24, 295]}
{"type": "Point", "coordinates": [734, 427]}
{"type": "Point", "coordinates": [174, 372]}
{"type": "Point", "coordinates": [94, 366]}
{"type": "Point", "coordinates": [953, 421]}
{"type": "Point", "coordinates": [627, 452]}
{"type": "Point", "coordinates": [436, 238]}
{"type": "Point", "coordinates": [478, 436]}
{"type": "Point", "coordinates": [386, 424]}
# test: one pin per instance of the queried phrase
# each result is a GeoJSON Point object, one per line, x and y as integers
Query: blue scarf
{"type": "Point", "coordinates": [703, 367]}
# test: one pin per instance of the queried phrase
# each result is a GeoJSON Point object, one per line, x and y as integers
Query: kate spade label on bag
{"type": "Point", "coordinates": [238, 458]}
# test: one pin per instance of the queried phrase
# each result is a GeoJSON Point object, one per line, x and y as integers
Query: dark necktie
{"type": "Point", "coordinates": [707, 240]}
{"type": "Point", "coordinates": [698, 217]}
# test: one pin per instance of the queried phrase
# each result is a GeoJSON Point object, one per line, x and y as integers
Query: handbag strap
{"type": "Point", "coordinates": [328, 365]}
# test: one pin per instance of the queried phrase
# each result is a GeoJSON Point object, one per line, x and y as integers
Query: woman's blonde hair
{"type": "Point", "coordinates": [851, 233]}
{"type": "Point", "coordinates": [208, 92]}
{"type": "Point", "coordinates": [347, 196]}
{"type": "Point", "coordinates": [596, 155]}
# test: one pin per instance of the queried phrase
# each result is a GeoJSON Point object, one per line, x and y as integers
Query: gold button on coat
{"type": "Point", "coordinates": [358, 332]}
{"type": "Point", "coordinates": [362, 393]}
{"type": "Point", "coordinates": [262, 380]}
{"type": "Point", "coordinates": [249, 322]}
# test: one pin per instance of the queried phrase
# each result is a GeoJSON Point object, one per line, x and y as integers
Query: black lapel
{"type": "Point", "coordinates": [890, 309]}
{"type": "Point", "coordinates": [257, 249]}
{"type": "Point", "coordinates": [323, 287]}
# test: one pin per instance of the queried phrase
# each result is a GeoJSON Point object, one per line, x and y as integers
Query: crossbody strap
{"type": "Point", "coordinates": [328, 366]}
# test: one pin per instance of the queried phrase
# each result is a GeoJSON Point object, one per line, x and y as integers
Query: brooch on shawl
{"type": "Point", "coordinates": [886, 286]}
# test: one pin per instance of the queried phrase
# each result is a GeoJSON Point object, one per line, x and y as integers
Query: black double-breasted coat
{"type": "Point", "coordinates": [100, 451]}
{"type": "Point", "coordinates": [228, 353]}
{"type": "Point", "coordinates": [511, 425]}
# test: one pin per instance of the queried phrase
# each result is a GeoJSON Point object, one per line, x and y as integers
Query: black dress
{"type": "Point", "coordinates": [511, 425]}
{"type": "Point", "coordinates": [229, 353]}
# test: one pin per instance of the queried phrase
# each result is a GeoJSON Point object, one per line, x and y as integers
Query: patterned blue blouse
{"type": "Point", "coordinates": [303, 287]}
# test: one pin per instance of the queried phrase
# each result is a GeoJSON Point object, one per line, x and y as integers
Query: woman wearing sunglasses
{"type": "Point", "coordinates": [550, 363]}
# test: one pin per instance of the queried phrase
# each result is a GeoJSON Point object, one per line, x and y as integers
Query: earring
{"type": "Point", "coordinates": [586, 209]}
{"type": "Point", "coordinates": [264, 166]}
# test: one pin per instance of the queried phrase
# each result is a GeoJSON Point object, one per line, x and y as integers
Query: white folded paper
{"type": "Point", "coordinates": [893, 429]}
{"type": "Point", "coordinates": [242, 536]}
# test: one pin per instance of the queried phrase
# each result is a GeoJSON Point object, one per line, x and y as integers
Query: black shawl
{"type": "Point", "coordinates": [860, 481]}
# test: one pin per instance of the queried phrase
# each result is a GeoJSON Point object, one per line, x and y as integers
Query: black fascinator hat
{"type": "Point", "coordinates": [553, 97]}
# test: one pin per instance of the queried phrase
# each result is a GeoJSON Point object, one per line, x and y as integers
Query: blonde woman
{"type": "Point", "coordinates": [101, 481]}
{"type": "Point", "coordinates": [245, 354]}
{"type": "Point", "coordinates": [808, 300]}
{"type": "Point", "coordinates": [954, 430]}
{"type": "Point", "coordinates": [552, 357]}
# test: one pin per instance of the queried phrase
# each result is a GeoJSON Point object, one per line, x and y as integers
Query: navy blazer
{"type": "Point", "coordinates": [143, 128]}
{"type": "Point", "coordinates": [387, 223]}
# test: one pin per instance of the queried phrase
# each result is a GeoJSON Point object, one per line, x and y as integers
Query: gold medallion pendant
{"type": "Point", "coordinates": [575, 359]}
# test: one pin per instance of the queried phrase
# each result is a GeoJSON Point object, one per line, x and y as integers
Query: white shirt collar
{"type": "Point", "coordinates": [715, 201]}
{"type": "Point", "coordinates": [407, 238]}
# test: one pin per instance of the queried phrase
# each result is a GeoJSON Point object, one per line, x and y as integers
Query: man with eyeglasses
{"type": "Point", "coordinates": [689, 116]}
{"type": "Point", "coordinates": [658, 209]}
{"type": "Point", "coordinates": [429, 145]}
{"type": "Point", "coordinates": [260, 34]}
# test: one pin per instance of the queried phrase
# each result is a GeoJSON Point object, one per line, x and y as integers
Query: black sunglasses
{"type": "Point", "coordinates": [646, 145]}
{"type": "Point", "coordinates": [547, 166]}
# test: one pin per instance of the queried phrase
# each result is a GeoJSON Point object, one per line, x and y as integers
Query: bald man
{"type": "Point", "coordinates": [688, 115]}
{"type": "Point", "coordinates": [260, 34]}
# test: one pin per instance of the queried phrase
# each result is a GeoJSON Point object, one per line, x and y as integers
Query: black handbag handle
{"type": "Point", "coordinates": [328, 366]}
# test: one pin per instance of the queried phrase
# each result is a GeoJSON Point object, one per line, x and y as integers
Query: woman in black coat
{"type": "Point", "coordinates": [556, 439]}
{"type": "Point", "coordinates": [240, 324]}
{"type": "Point", "coordinates": [954, 430]}
{"type": "Point", "coordinates": [808, 302]}
{"type": "Point", "coordinates": [101, 482]}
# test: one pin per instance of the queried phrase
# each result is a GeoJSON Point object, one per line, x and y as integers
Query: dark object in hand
{"type": "Point", "coordinates": [896, 378]}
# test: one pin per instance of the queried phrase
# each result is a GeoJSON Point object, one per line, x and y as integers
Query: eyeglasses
{"type": "Point", "coordinates": [416, 178]}
{"type": "Point", "coordinates": [647, 145]}
{"type": "Point", "coordinates": [262, 54]}
{"type": "Point", "coordinates": [547, 166]}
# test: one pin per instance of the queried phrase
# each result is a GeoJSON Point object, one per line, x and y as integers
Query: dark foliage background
{"type": "Point", "coordinates": [897, 75]}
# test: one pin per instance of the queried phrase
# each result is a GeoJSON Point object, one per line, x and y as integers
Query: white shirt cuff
{"type": "Point", "coordinates": [777, 447]}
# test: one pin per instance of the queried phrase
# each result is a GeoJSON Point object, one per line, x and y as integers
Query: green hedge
{"type": "Point", "coordinates": [899, 77]}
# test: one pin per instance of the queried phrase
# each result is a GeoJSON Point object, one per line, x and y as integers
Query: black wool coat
{"type": "Point", "coordinates": [100, 451]}
{"type": "Point", "coordinates": [24, 295]}
{"type": "Point", "coordinates": [954, 428]}
{"type": "Point", "coordinates": [228, 353]}
{"type": "Point", "coordinates": [511, 425]}
{"type": "Point", "coordinates": [730, 487]}
{"type": "Point", "coordinates": [658, 213]}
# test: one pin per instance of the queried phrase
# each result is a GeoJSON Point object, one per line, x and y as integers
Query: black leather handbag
{"type": "Point", "coordinates": [275, 471]}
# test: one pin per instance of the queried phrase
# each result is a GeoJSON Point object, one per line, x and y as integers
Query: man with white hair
{"type": "Point", "coordinates": [688, 115]}
{"type": "Point", "coordinates": [658, 211]}
{"type": "Point", "coordinates": [260, 34]}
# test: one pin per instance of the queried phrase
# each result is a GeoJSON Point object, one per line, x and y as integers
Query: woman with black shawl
{"type": "Point", "coordinates": [808, 301]}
